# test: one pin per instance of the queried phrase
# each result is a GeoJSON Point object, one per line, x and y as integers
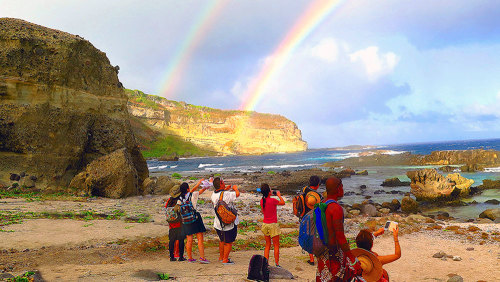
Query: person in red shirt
{"type": "Point", "coordinates": [338, 264]}
{"type": "Point", "coordinates": [270, 225]}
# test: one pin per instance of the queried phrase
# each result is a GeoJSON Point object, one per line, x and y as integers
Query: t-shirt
{"type": "Point", "coordinates": [229, 197]}
{"type": "Point", "coordinates": [270, 210]}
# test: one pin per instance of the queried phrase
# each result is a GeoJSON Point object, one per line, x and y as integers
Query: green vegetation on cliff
{"type": "Point", "coordinates": [170, 144]}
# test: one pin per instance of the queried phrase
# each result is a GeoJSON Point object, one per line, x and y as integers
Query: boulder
{"type": "Point", "coordinates": [356, 206]}
{"type": "Point", "coordinates": [369, 210]}
{"type": "Point", "coordinates": [279, 273]}
{"type": "Point", "coordinates": [409, 205]}
{"type": "Point", "coordinates": [396, 204]}
{"type": "Point", "coordinates": [160, 185]}
{"type": "Point", "coordinates": [112, 176]}
{"type": "Point", "coordinates": [363, 172]}
{"type": "Point", "coordinates": [394, 182]}
{"type": "Point", "coordinates": [385, 210]}
{"type": "Point", "coordinates": [429, 185]}
{"type": "Point", "coordinates": [490, 214]}
{"type": "Point", "coordinates": [27, 182]}
{"type": "Point", "coordinates": [355, 212]}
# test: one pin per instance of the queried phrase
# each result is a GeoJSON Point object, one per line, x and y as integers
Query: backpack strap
{"type": "Point", "coordinates": [320, 220]}
{"type": "Point", "coordinates": [221, 195]}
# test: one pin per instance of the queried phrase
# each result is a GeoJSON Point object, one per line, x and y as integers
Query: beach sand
{"type": "Point", "coordinates": [103, 250]}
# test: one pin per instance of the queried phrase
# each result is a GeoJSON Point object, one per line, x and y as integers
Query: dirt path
{"type": "Point", "coordinates": [103, 250]}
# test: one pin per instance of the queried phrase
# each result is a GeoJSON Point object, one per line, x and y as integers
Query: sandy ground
{"type": "Point", "coordinates": [76, 250]}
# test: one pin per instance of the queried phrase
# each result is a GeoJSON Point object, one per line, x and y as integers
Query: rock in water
{"type": "Point", "coordinates": [490, 214]}
{"type": "Point", "coordinates": [61, 105]}
{"type": "Point", "coordinates": [394, 182]}
{"type": "Point", "coordinates": [429, 185]}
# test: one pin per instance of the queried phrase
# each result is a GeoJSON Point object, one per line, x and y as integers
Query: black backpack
{"type": "Point", "coordinates": [258, 269]}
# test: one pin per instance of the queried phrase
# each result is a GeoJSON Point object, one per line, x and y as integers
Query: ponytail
{"type": "Point", "coordinates": [265, 190]}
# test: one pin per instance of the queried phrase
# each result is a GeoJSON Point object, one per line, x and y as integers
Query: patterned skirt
{"type": "Point", "coordinates": [333, 266]}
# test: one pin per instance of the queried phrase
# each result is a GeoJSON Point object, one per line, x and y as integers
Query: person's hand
{"type": "Point", "coordinates": [278, 193]}
{"type": "Point", "coordinates": [199, 181]}
{"type": "Point", "coordinates": [395, 232]}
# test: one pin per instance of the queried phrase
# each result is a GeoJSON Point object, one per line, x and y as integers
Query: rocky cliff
{"type": "Point", "coordinates": [61, 105]}
{"type": "Point", "coordinates": [226, 132]}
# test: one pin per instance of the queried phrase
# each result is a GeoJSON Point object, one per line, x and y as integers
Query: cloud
{"type": "Point", "coordinates": [376, 65]}
{"type": "Point", "coordinates": [327, 50]}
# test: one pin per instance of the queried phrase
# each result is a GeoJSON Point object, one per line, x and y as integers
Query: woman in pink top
{"type": "Point", "coordinates": [270, 225]}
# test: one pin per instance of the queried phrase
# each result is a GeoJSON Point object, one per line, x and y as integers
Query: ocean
{"type": "Point", "coordinates": [376, 175]}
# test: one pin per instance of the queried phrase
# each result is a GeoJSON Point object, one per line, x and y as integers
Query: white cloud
{"type": "Point", "coordinates": [376, 65]}
{"type": "Point", "coordinates": [327, 50]}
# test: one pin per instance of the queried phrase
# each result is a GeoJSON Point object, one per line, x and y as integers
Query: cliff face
{"type": "Point", "coordinates": [227, 132]}
{"type": "Point", "coordinates": [61, 104]}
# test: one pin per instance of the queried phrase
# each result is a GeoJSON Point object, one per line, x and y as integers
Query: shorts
{"type": "Point", "coordinates": [271, 229]}
{"type": "Point", "coordinates": [228, 236]}
{"type": "Point", "coordinates": [195, 227]}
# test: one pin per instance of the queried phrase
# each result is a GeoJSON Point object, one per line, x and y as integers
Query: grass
{"type": "Point", "coordinates": [176, 175]}
{"type": "Point", "coordinates": [169, 144]}
{"type": "Point", "coordinates": [271, 172]}
{"type": "Point", "coordinates": [9, 217]}
{"type": "Point", "coordinates": [33, 196]}
{"type": "Point", "coordinates": [26, 277]}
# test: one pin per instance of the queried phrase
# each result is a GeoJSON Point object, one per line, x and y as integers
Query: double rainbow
{"type": "Point", "coordinates": [313, 16]}
{"type": "Point", "coordinates": [194, 37]}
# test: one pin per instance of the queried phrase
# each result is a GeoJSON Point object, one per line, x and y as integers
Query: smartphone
{"type": "Point", "coordinates": [390, 225]}
{"type": "Point", "coordinates": [274, 193]}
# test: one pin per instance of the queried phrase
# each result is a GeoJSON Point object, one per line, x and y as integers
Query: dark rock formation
{"type": "Point", "coordinates": [363, 172]}
{"type": "Point", "coordinates": [61, 105]}
{"type": "Point", "coordinates": [472, 167]}
{"type": "Point", "coordinates": [492, 202]}
{"type": "Point", "coordinates": [394, 182]}
{"type": "Point", "coordinates": [447, 168]}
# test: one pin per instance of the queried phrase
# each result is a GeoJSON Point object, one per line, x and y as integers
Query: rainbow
{"type": "Point", "coordinates": [194, 37]}
{"type": "Point", "coordinates": [310, 19]}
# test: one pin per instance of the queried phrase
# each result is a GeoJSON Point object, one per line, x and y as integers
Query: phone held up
{"type": "Point", "coordinates": [390, 225]}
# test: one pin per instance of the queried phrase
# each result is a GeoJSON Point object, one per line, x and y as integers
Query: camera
{"type": "Point", "coordinates": [274, 192]}
{"type": "Point", "coordinates": [390, 225]}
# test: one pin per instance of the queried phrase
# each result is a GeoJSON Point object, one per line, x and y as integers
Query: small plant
{"type": "Point", "coordinates": [192, 178]}
{"type": "Point", "coordinates": [163, 276]}
{"type": "Point", "coordinates": [176, 175]}
{"type": "Point", "coordinates": [271, 172]}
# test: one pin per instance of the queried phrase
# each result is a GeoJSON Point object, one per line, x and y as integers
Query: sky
{"type": "Point", "coordinates": [361, 72]}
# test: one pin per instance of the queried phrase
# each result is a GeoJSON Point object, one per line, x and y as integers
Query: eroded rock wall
{"type": "Point", "coordinates": [61, 104]}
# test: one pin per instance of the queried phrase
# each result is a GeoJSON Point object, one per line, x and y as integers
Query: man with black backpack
{"type": "Point", "coordinates": [226, 217]}
{"type": "Point", "coordinates": [305, 201]}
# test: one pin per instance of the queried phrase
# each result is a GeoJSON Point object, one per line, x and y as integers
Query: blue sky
{"type": "Point", "coordinates": [373, 72]}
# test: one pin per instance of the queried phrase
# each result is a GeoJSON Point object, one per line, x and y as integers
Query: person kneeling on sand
{"type": "Point", "coordinates": [227, 233]}
{"type": "Point", "coordinates": [197, 227]}
{"type": "Point", "coordinates": [270, 225]}
{"type": "Point", "coordinates": [364, 240]}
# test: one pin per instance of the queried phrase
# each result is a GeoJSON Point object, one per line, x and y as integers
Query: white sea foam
{"type": "Point", "coordinates": [367, 153]}
{"type": "Point", "coordinates": [152, 167]}
{"type": "Point", "coordinates": [286, 166]}
{"type": "Point", "coordinates": [174, 166]}
{"type": "Point", "coordinates": [205, 165]}
{"type": "Point", "coordinates": [163, 166]}
{"type": "Point", "coordinates": [492, 169]}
